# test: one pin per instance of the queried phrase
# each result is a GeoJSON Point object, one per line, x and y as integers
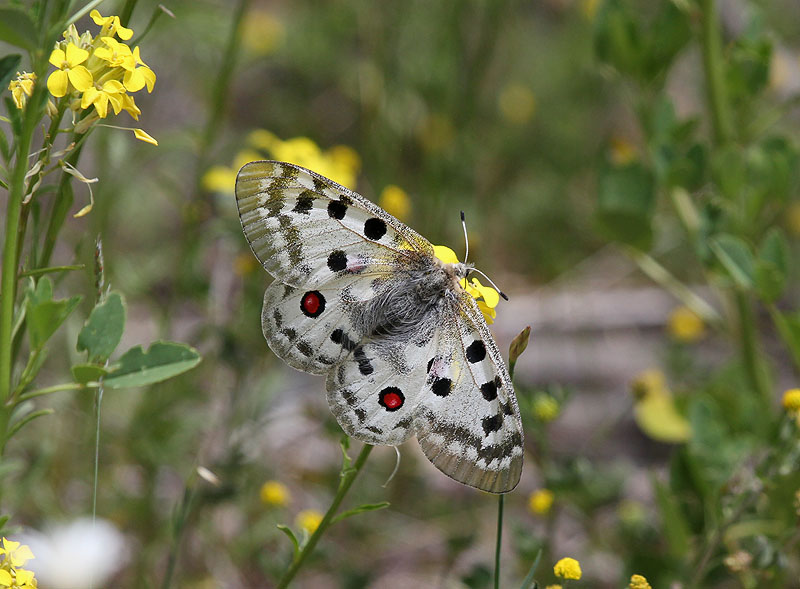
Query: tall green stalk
{"type": "Point", "coordinates": [344, 485]}
{"type": "Point", "coordinates": [722, 127]}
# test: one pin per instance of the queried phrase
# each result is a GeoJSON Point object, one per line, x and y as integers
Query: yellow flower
{"type": "Point", "coordinates": [395, 201]}
{"type": "Point", "coordinates": [309, 520]}
{"type": "Point", "coordinates": [486, 297]}
{"type": "Point", "coordinates": [111, 25]}
{"type": "Point", "coordinates": [540, 501]}
{"type": "Point", "coordinates": [791, 400]}
{"type": "Point", "coordinates": [568, 568]}
{"type": "Point", "coordinates": [6, 580]}
{"type": "Point", "coordinates": [69, 71]}
{"type": "Point", "coordinates": [545, 408]}
{"type": "Point", "coordinates": [111, 92]}
{"type": "Point", "coordinates": [263, 33]}
{"type": "Point", "coordinates": [137, 78]}
{"type": "Point", "coordinates": [25, 579]}
{"type": "Point", "coordinates": [273, 492]}
{"type": "Point", "coordinates": [638, 582]}
{"type": "Point", "coordinates": [553, 587]}
{"type": "Point", "coordinates": [622, 151]}
{"type": "Point", "coordinates": [685, 325]}
{"type": "Point", "coordinates": [222, 178]}
{"type": "Point", "coordinates": [655, 411]}
{"type": "Point", "coordinates": [116, 54]}
{"type": "Point", "coordinates": [517, 103]}
{"type": "Point", "coordinates": [16, 554]}
{"type": "Point", "coordinates": [22, 88]}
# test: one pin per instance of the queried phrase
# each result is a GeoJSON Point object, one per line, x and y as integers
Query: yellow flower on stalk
{"type": "Point", "coordinates": [15, 554]}
{"type": "Point", "coordinates": [553, 587]}
{"type": "Point", "coordinates": [568, 568]}
{"type": "Point", "coordinates": [309, 520]}
{"type": "Point", "coordinates": [685, 325]}
{"type": "Point", "coordinates": [115, 54]}
{"type": "Point", "coordinates": [540, 501]}
{"type": "Point", "coordinates": [138, 77]}
{"type": "Point", "coordinates": [274, 492]}
{"type": "Point", "coordinates": [545, 408]}
{"type": "Point", "coordinates": [395, 201]}
{"type": "Point", "coordinates": [221, 179]}
{"type": "Point", "coordinates": [517, 103]}
{"type": "Point", "coordinates": [111, 25]}
{"type": "Point", "coordinates": [263, 32]}
{"type": "Point", "coordinates": [791, 402]}
{"type": "Point", "coordinates": [25, 579]}
{"type": "Point", "coordinates": [638, 582]}
{"type": "Point", "coordinates": [655, 411]}
{"type": "Point", "coordinates": [486, 297]}
{"type": "Point", "coordinates": [21, 88]}
{"type": "Point", "coordinates": [111, 92]}
{"type": "Point", "coordinates": [69, 70]}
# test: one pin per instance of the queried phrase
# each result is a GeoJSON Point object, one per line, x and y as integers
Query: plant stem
{"type": "Point", "coordinates": [721, 122]}
{"type": "Point", "coordinates": [344, 485]}
{"type": "Point", "coordinates": [500, 502]}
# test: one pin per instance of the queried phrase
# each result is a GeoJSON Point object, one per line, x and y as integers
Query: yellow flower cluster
{"type": "Point", "coordinates": [309, 520]}
{"type": "Point", "coordinates": [684, 325]}
{"type": "Point", "coordinates": [486, 297]}
{"type": "Point", "coordinates": [791, 402]}
{"type": "Point", "coordinates": [638, 582]}
{"type": "Point", "coordinates": [99, 71]}
{"type": "Point", "coordinates": [12, 575]}
{"type": "Point", "coordinates": [540, 501]}
{"type": "Point", "coordinates": [22, 88]}
{"type": "Point", "coordinates": [545, 407]}
{"type": "Point", "coordinates": [568, 568]}
{"type": "Point", "coordinates": [395, 201]}
{"type": "Point", "coordinates": [655, 410]}
{"type": "Point", "coordinates": [274, 493]}
{"type": "Point", "coordinates": [340, 163]}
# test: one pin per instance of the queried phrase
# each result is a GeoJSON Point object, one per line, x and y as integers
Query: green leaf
{"type": "Point", "coordinates": [617, 38]}
{"type": "Point", "coordinates": [295, 542]}
{"type": "Point", "coordinates": [83, 373]}
{"type": "Point", "coordinates": [163, 360]}
{"type": "Point", "coordinates": [626, 203]}
{"type": "Point", "coordinates": [789, 330]}
{"type": "Point", "coordinates": [772, 265]}
{"type": "Point", "coordinates": [668, 34]}
{"type": "Point", "coordinates": [530, 582]}
{"type": "Point", "coordinates": [360, 509]}
{"type": "Point", "coordinates": [16, 28]}
{"type": "Point", "coordinates": [676, 529]}
{"type": "Point", "coordinates": [103, 331]}
{"type": "Point", "coordinates": [8, 67]}
{"type": "Point", "coordinates": [729, 170]}
{"type": "Point", "coordinates": [46, 315]}
{"type": "Point", "coordinates": [736, 258]}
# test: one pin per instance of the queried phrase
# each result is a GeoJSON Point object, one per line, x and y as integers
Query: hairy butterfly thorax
{"type": "Point", "coordinates": [363, 299]}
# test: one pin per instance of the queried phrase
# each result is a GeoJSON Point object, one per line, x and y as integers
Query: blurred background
{"type": "Point", "coordinates": [514, 112]}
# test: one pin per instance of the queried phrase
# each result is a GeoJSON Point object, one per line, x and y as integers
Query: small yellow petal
{"type": "Point", "coordinates": [58, 57]}
{"type": "Point", "coordinates": [76, 55]}
{"type": "Point", "coordinates": [445, 254]}
{"type": "Point", "coordinates": [123, 32]}
{"type": "Point", "coordinates": [98, 18]}
{"type": "Point", "coordinates": [57, 83]}
{"type": "Point", "coordinates": [490, 296]}
{"type": "Point", "coordinates": [5, 578]}
{"type": "Point", "coordinates": [144, 136]}
{"type": "Point", "coordinates": [80, 77]}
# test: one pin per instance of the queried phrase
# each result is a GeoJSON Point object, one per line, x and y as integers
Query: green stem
{"type": "Point", "coordinates": [179, 526]}
{"type": "Point", "coordinates": [69, 386]}
{"type": "Point", "coordinates": [500, 502]}
{"type": "Point", "coordinates": [748, 339]}
{"type": "Point", "coordinates": [344, 485]}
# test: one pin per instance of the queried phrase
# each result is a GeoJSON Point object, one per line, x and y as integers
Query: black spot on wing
{"type": "Point", "coordinates": [305, 348]}
{"type": "Point", "coordinates": [337, 261]}
{"type": "Point", "coordinates": [364, 364]}
{"type": "Point", "coordinates": [374, 228]}
{"type": "Point", "coordinates": [492, 423]}
{"type": "Point", "coordinates": [305, 202]}
{"type": "Point", "coordinates": [489, 390]}
{"type": "Point", "coordinates": [442, 387]}
{"type": "Point", "coordinates": [476, 351]}
{"type": "Point", "coordinates": [337, 209]}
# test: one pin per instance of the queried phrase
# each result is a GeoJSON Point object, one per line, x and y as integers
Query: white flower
{"type": "Point", "coordinates": [76, 554]}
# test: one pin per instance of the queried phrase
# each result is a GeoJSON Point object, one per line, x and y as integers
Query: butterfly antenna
{"type": "Point", "coordinates": [494, 286]}
{"type": "Point", "coordinates": [396, 468]}
{"type": "Point", "coordinates": [466, 239]}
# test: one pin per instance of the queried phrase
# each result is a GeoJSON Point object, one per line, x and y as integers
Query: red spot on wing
{"type": "Point", "coordinates": [312, 303]}
{"type": "Point", "coordinates": [391, 398]}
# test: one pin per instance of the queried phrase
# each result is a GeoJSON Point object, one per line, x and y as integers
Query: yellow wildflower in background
{"type": "Point", "coordinates": [553, 587]}
{"type": "Point", "coordinates": [395, 201]}
{"type": "Point", "coordinates": [309, 520]}
{"type": "Point", "coordinates": [223, 178]}
{"type": "Point", "coordinates": [568, 568]}
{"type": "Point", "coordinates": [622, 151]}
{"type": "Point", "coordinates": [639, 582]}
{"type": "Point", "coordinates": [486, 297]}
{"type": "Point", "coordinates": [517, 103]}
{"type": "Point", "coordinates": [540, 501]}
{"type": "Point", "coordinates": [262, 32]}
{"type": "Point", "coordinates": [791, 402]}
{"type": "Point", "coordinates": [654, 410]}
{"type": "Point", "coordinates": [435, 133]}
{"type": "Point", "coordinates": [545, 407]}
{"type": "Point", "coordinates": [21, 88]}
{"type": "Point", "coordinates": [685, 325]}
{"type": "Point", "coordinates": [274, 492]}
{"type": "Point", "coordinates": [14, 557]}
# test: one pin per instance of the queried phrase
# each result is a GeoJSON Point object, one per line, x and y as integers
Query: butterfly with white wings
{"type": "Point", "coordinates": [361, 298]}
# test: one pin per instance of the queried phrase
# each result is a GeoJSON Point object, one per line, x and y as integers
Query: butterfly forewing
{"type": "Point", "coordinates": [360, 297]}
